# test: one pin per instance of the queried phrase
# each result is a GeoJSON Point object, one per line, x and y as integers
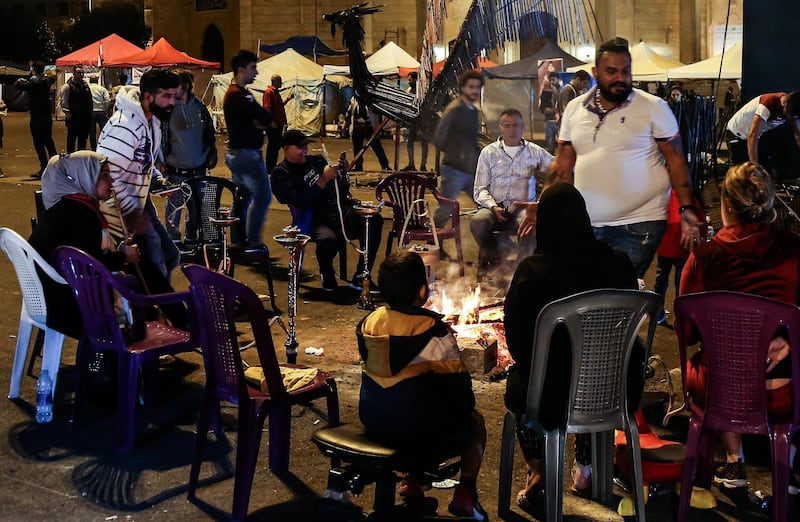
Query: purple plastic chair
{"type": "Point", "coordinates": [217, 299]}
{"type": "Point", "coordinates": [735, 329]}
{"type": "Point", "coordinates": [96, 289]}
{"type": "Point", "coordinates": [399, 191]}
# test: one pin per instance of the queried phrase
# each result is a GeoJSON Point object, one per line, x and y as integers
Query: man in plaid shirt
{"type": "Point", "coordinates": [504, 181]}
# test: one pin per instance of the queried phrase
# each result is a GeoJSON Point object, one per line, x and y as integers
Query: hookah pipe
{"type": "Point", "coordinates": [128, 237]}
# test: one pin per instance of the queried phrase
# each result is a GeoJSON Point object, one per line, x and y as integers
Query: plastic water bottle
{"type": "Point", "coordinates": [44, 398]}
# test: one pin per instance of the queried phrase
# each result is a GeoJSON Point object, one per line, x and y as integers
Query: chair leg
{"type": "Point", "coordinates": [82, 357]}
{"type": "Point", "coordinates": [689, 466]}
{"type": "Point", "coordinates": [780, 473]}
{"type": "Point", "coordinates": [635, 455]}
{"type": "Point", "coordinates": [23, 340]}
{"type": "Point", "coordinates": [343, 262]}
{"type": "Point", "coordinates": [270, 285]}
{"type": "Point", "coordinates": [555, 453]}
{"type": "Point", "coordinates": [280, 430]}
{"type": "Point", "coordinates": [38, 346]}
{"type": "Point", "coordinates": [506, 465]}
{"type": "Point", "coordinates": [247, 445]}
{"type": "Point", "coordinates": [459, 253]}
{"type": "Point", "coordinates": [127, 397]}
{"type": "Point", "coordinates": [203, 425]}
{"type": "Point", "coordinates": [602, 465]}
{"type": "Point", "coordinates": [51, 359]}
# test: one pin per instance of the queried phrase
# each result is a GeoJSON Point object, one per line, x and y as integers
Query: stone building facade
{"type": "Point", "coordinates": [216, 29]}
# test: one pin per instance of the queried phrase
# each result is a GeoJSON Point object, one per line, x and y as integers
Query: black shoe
{"type": "Point", "coordinates": [409, 167]}
{"type": "Point", "coordinates": [329, 283]}
{"type": "Point", "coordinates": [37, 175]}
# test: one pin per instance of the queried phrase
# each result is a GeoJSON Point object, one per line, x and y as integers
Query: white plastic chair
{"type": "Point", "coordinates": [34, 309]}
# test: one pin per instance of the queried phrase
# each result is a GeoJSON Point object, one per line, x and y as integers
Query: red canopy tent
{"type": "Point", "coordinates": [98, 53]}
{"type": "Point", "coordinates": [160, 54]}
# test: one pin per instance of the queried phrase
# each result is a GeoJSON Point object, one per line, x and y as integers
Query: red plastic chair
{"type": "Point", "coordinates": [735, 330]}
{"type": "Point", "coordinates": [217, 299]}
{"type": "Point", "coordinates": [399, 191]}
{"type": "Point", "coordinates": [96, 289]}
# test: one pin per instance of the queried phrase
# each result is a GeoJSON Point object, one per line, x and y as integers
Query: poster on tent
{"type": "Point", "coordinates": [136, 74]}
{"type": "Point", "coordinates": [545, 67]}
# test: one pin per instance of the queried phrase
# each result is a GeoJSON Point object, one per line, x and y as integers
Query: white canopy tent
{"type": "Point", "coordinates": [647, 64]}
{"type": "Point", "coordinates": [384, 62]}
{"type": "Point", "coordinates": [709, 69]}
{"type": "Point", "coordinates": [301, 76]}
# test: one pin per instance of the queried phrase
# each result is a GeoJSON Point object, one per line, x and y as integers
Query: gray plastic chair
{"type": "Point", "coordinates": [603, 325]}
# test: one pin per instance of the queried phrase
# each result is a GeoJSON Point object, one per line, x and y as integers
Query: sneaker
{"type": "Point", "coordinates": [329, 283]}
{"type": "Point", "coordinates": [465, 504]}
{"type": "Point", "coordinates": [731, 475]}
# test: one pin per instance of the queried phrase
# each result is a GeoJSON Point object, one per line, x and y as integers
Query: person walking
{"type": "Point", "coordinates": [247, 120]}
{"type": "Point", "coordinates": [414, 135]}
{"type": "Point", "coordinates": [37, 86]}
{"type": "Point", "coordinates": [457, 135]}
{"type": "Point", "coordinates": [612, 146]}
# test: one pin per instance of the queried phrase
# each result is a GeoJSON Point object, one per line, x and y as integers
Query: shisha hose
{"type": "Point", "coordinates": [127, 236]}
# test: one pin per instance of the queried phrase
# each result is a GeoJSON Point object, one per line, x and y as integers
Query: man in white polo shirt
{"type": "Point", "coordinates": [613, 145]}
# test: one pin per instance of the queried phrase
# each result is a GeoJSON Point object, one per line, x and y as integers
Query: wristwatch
{"type": "Point", "coordinates": [684, 208]}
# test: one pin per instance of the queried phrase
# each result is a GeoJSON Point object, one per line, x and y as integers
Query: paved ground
{"type": "Point", "coordinates": [50, 471]}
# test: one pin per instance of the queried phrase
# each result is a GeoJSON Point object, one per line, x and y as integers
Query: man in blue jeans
{"type": "Point", "coordinates": [457, 136]}
{"type": "Point", "coordinates": [613, 145]}
{"type": "Point", "coordinates": [247, 120]}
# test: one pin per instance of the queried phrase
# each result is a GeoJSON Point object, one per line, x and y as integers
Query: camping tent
{"type": "Point", "coordinates": [709, 69]}
{"type": "Point", "coordinates": [301, 76]}
{"type": "Point", "coordinates": [386, 61]}
{"type": "Point", "coordinates": [160, 54]}
{"type": "Point", "coordinates": [516, 85]}
{"type": "Point", "coordinates": [98, 53]}
{"type": "Point", "coordinates": [305, 45]}
{"type": "Point", "coordinates": [647, 65]}
{"type": "Point", "coordinates": [528, 67]}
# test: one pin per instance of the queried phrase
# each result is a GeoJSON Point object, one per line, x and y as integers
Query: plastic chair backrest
{"type": "Point", "coordinates": [207, 194]}
{"type": "Point", "coordinates": [217, 300]}
{"type": "Point", "coordinates": [736, 330]}
{"type": "Point", "coordinates": [96, 290]}
{"type": "Point", "coordinates": [399, 191]}
{"type": "Point", "coordinates": [603, 326]}
{"type": "Point", "coordinates": [25, 260]}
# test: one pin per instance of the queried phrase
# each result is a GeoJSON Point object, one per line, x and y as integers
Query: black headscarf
{"type": "Point", "coordinates": [563, 224]}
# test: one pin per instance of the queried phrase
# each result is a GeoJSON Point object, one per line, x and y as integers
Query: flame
{"type": "Point", "coordinates": [464, 310]}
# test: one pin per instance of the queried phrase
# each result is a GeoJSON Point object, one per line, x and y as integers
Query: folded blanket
{"type": "Point", "coordinates": [293, 378]}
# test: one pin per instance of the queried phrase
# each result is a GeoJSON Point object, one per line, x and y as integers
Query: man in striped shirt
{"type": "Point", "coordinates": [131, 141]}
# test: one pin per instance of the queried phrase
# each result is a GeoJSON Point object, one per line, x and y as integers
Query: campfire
{"type": "Point", "coordinates": [476, 319]}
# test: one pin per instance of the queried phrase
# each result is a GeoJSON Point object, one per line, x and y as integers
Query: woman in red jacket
{"type": "Point", "coordinates": [750, 254]}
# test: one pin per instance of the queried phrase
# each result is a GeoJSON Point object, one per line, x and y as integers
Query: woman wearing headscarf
{"type": "Point", "coordinates": [72, 186]}
{"type": "Point", "coordinates": [750, 254]}
{"type": "Point", "coordinates": [568, 260]}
